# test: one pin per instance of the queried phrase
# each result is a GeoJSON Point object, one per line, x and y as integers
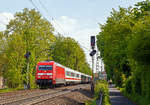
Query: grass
{"type": "Point", "coordinates": [5, 90]}
{"type": "Point", "coordinates": [103, 87]}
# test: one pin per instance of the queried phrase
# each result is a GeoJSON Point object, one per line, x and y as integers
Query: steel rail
{"type": "Point", "coordinates": [33, 98]}
{"type": "Point", "coordinates": [101, 98]}
{"type": "Point", "coordinates": [23, 97]}
{"type": "Point", "coordinates": [47, 97]}
{"type": "Point", "coordinates": [19, 95]}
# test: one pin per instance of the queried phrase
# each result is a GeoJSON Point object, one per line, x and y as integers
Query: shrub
{"type": "Point", "coordinates": [128, 85]}
{"type": "Point", "coordinates": [100, 86]}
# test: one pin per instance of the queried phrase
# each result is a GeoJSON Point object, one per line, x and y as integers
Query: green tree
{"type": "Point", "coordinates": [112, 42]}
{"type": "Point", "coordinates": [28, 31]}
{"type": "Point", "coordinates": [124, 42]}
{"type": "Point", "coordinates": [67, 52]}
{"type": "Point", "coordinates": [139, 54]}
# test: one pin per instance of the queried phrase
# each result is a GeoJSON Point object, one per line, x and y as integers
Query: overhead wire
{"type": "Point", "coordinates": [2, 23]}
{"type": "Point", "coordinates": [85, 48]}
{"type": "Point", "coordinates": [81, 44]}
{"type": "Point", "coordinates": [44, 7]}
{"type": "Point", "coordinates": [4, 17]}
{"type": "Point", "coordinates": [34, 5]}
{"type": "Point", "coordinates": [53, 19]}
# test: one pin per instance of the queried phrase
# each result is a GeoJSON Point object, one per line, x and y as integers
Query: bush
{"type": "Point", "coordinates": [100, 86]}
{"type": "Point", "coordinates": [128, 85]}
{"type": "Point", "coordinates": [137, 85]}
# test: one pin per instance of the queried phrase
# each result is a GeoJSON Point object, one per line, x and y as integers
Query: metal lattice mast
{"type": "Point", "coordinates": [97, 62]}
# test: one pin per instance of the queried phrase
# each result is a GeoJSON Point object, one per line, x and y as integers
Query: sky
{"type": "Point", "coordinates": [78, 19]}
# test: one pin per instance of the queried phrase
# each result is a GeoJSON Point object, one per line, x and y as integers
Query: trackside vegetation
{"type": "Point", "coordinates": [29, 31]}
{"type": "Point", "coordinates": [100, 86]}
{"type": "Point", "coordinates": [124, 43]}
{"type": "Point", "coordinates": [9, 90]}
{"type": "Point", "coordinates": [68, 52]}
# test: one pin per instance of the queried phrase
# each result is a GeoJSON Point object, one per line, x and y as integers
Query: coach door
{"type": "Point", "coordinates": [60, 75]}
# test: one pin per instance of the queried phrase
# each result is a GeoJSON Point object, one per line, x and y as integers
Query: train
{"type": "Point", "coordinates": [51, 73]}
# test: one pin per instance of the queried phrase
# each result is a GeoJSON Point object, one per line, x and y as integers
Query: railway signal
{"type": "Point", "coordinates": [93, 53]}
{"type": "Point", "coordinates": [93, 42]}
{"type": "Point", "coordinates": [27, 55]}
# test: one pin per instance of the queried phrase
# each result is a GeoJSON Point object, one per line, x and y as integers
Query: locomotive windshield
{"type": "Point", "coordinates": [45, 67]}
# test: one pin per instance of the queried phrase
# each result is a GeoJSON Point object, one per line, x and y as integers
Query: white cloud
{"type": "Point", "coordinates": [77, 29]}
{"type": "Point", "coordinates": [65, 25]}
{"type": "Point", "coordinates": [5, 17]}
{"type": "Point", "coordinates": [85, 33]}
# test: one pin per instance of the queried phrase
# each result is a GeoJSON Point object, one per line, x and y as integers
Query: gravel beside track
{"type": "Point", "coordinates": [76, 97]}
{"type": "Point", "coordinates": [29, 97]}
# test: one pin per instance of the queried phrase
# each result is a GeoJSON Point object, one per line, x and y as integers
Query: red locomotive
{"type": "Point", "coordinates": [50, 73]}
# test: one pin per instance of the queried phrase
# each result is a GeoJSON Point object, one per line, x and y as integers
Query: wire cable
{"type": "Point", "coordinates": [3, 23]}
{"type": "Point", "coordinates": [34, 5]}
{"type": "Point", "coordinates": [53, 19]}
{"type": "Point", "coordinates": [44, 7]}
{"type": "Point", "coordinates": [5, 16]}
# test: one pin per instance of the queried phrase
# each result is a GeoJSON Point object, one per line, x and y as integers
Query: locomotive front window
{"type": "Point", "coordinates": [45, 67]}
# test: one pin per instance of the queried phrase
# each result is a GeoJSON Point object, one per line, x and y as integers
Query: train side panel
{"type": "Point", "coordinates": [50, 73]}
{"type": "Point", "coordinates": [72, 76]}
{"type": "Point", "coordinates": [60, 75]}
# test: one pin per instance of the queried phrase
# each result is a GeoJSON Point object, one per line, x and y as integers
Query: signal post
{"type": "Point", "coordinates": [27, 55]}
{"type": "Point", "coordinates": [92, 53]}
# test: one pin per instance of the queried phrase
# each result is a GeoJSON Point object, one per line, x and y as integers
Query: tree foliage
{"type": "Point", "coordinates": [29, 32]}
{"type": "Point", "coordinates": [112, 42]}
{"type": "Point", "coordinates": [67, 52]}
{"type": "Point", "coordinates": [124, 42]}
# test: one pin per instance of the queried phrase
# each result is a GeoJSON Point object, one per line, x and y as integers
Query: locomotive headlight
{"type": "Point", "coordinates": [39, 76]}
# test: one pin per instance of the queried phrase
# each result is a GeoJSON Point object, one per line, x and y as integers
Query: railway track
{"type": "Point", "coordinates": [39, 96]}
{"type": "Point", "coordinates": [12, 95]}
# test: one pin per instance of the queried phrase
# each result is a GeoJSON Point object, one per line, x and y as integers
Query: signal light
{"type": "Point", "coordinates": [93, 53]}
{"type": "Point", "coordinates": [27, 54]}
{"type": "Point", "coordinates": [92, 41]}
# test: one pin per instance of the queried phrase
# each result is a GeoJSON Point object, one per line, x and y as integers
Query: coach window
{"type": "Point", "coordinates": [77, 75]}
{"type": "Point", "coordinates": [72, 74]}
{"type": "Point", "coordinates": [68, 73]}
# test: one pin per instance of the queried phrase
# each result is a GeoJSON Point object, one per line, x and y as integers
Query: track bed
{"type": "Point", "coordinates": [40, 96]}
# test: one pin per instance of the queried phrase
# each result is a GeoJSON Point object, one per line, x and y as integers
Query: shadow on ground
{"type": "Point", "coordinates": [86, 92]}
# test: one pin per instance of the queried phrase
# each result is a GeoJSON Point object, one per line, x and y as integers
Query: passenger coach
{"type": "Point", "coordinates": [50, 73]}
